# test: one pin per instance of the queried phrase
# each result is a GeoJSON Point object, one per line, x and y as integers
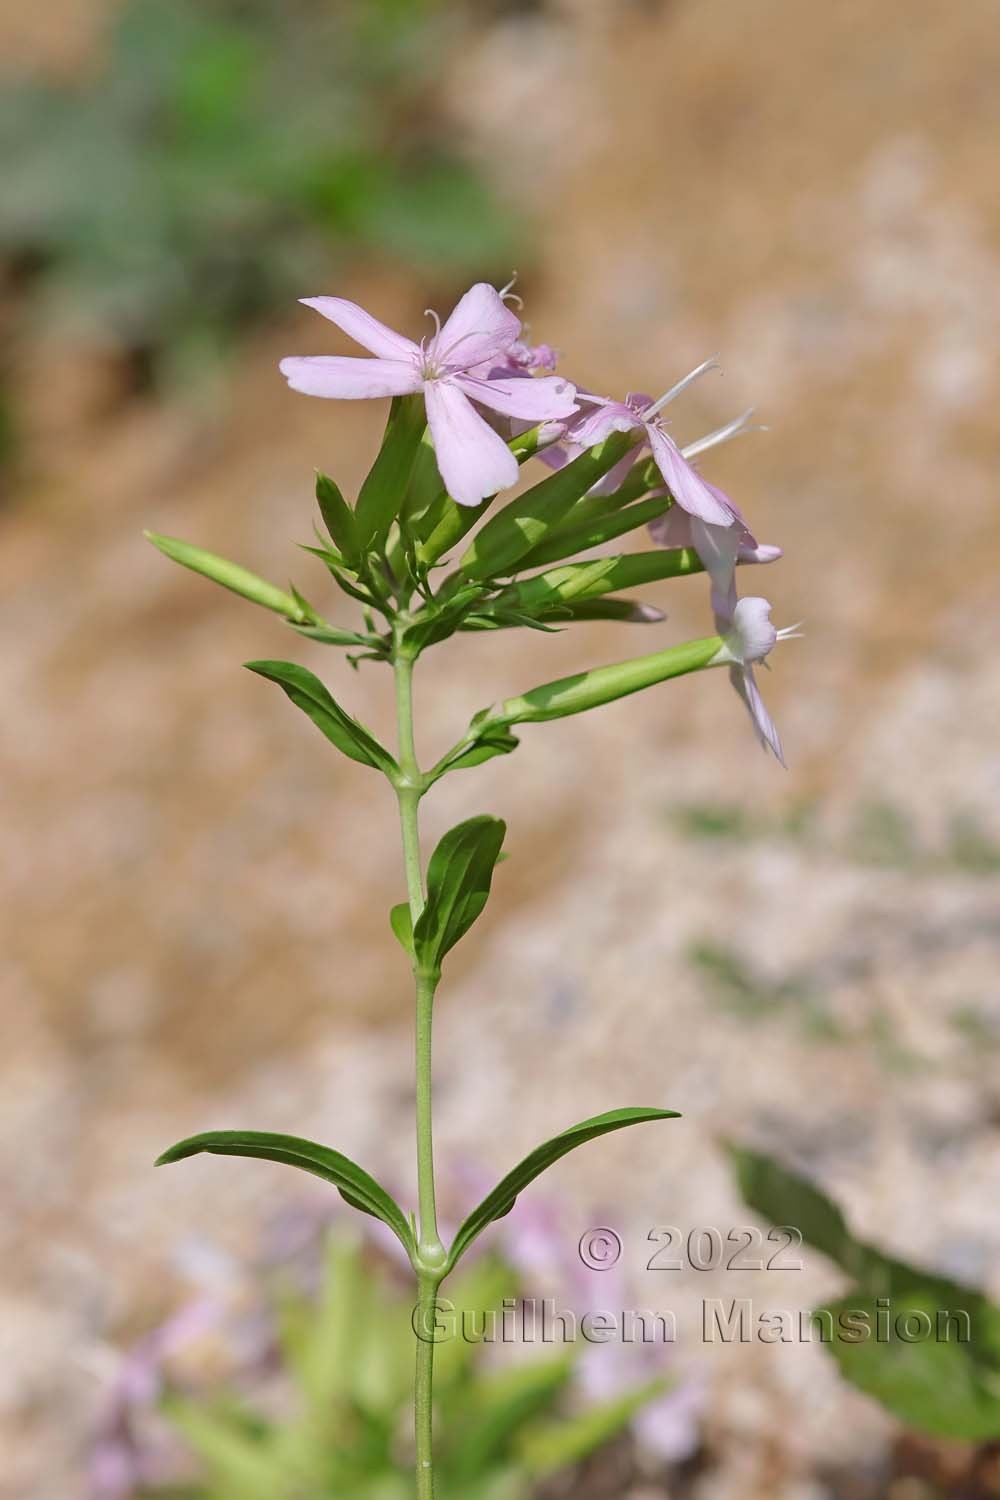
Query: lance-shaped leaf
{"type": "Point", "coordinates": [459, 875]}
{"type": "Point", "coordinates": [595, 531]}
{"type": "Point", "coordinates": [338, 517]}
{"type": "Point", "coordinates": [584, 690]}
{"type": "Point", "coordinates": [356, 1186]}
{"type": "Point", "coordinates": [444, 523]}
{"type": "Point", "coordinates": [384, 490]}
{"type": "Point", "coordinates": [308, 693]}
{"type": "Point", "coordinates": [503, 1197]}
{"type": "Point", "coordinates": [240, 580]}
{"type": "Point", "coordinates": [524, 524]}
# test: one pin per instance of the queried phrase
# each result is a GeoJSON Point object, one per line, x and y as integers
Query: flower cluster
{"type": "Point", "coordinates": [483, 387]}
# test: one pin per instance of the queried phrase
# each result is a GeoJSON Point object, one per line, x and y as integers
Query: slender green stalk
{"type": "Point", "coordinates": [431, 1253]}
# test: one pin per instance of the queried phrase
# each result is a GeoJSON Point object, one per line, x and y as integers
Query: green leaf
{"type": "Point", "coordinates": [503, 1404]}
{"type": "Point", "coordinates": [338, 517]}
{"type": "Point", "coordinates": [594, 533]}
{"type": "Point", "coordinates": [503, 1197]}
{"type": "Point", "coordinates": [384, 490]}
{"type": "Point", "coordinates": [584, 690]}
{"type": "Point", "coordinates": [459, 875]}
{"type": "Point", "coordinates": [401, 922]}
{"type": "Point", "coordinates": [308, 693]}
{"type": "Point", "coordinates": [353, 1183]}
{"type": "Point", "coordinates": [786, 1198]}
{"type": "Point", "coordinates": [946, 1381]}
{"type": "Point", "coordinates": [231, 576]}
{"type": "Point", "coordinates": [523, 524]}
{"type": "Point", "coordinates": [330, 635]}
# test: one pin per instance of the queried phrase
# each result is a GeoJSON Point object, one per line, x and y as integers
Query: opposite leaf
{"type": "Point", "coordinates": [354, 1184]}
{"type": "Point", "coordinates": [308, 693]}
{"type": "Point", "coordinates": [503, 1197]}
{"type": "Point", "coordinates": [459, 876]}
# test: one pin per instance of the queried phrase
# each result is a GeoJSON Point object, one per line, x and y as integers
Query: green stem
{"type": "Point", "coordinates": [430, 1251]}
{"type": "Point", "coordinates": [423, 1389]}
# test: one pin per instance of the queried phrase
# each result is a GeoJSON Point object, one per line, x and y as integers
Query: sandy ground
{"type": "Point", "coordinates": [194, 891]}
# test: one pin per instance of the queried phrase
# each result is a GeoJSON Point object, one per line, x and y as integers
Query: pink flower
{"type": "Point", "coordinates": [452, 369]}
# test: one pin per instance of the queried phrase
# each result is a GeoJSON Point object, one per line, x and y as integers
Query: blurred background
{"type": "Point", "coordinates": [194, 890]}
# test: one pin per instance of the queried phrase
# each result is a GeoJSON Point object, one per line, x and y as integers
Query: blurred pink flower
{"type": "Point", "coordinates": [452, 369]}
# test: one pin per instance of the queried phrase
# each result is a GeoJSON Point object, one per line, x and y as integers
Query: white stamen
{"type": "Point", "coordinates": [733, 429]}
{"type": "Point", "coordinates": [508, 291]}
{"type": "Point", "coordinates": [682, 385]}
{"type": "Point", "coordinates": [430, 313]}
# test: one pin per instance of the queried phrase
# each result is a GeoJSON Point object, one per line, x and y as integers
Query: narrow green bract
{"type": "Point", "coordinates": [231, 575]}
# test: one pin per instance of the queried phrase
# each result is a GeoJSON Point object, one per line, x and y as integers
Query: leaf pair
{"type": "Point", "coordinates": [459, 876]}
{"type": "Point", "coordinates": [362, 1192]}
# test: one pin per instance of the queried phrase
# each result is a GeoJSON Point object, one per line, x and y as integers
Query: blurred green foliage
{"type": "Point", "coordinates": [925, 1347]}
{"type": "Point", "coordinates": [346, 1431]}
{"type": "Point", "coordinates": [221, 158]}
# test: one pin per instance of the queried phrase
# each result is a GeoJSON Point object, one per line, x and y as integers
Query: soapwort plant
{"type": "Point", "coordinates": [470, 405]}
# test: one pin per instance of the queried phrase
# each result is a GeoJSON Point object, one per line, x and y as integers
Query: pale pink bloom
{"type": "Point", "coordinates": [748, 637]}
{"type": "Point", "coordinates": [638, 413]}
{"type": "Point", "coordinates": [448, 369]}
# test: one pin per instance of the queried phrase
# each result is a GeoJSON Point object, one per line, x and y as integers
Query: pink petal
{"type": "Point", "coordinates": [685, 484]}
{"type": "Point", "coordinates": [763, 552]}
{"type": "Point", "coordinates": [616, 477]}
{"type": "Point", "coordinates": [546, 399]}
{"type": "Point", "coordinates": [718, 548]}
{"type": "Point", "coordinates": [601, 422]}
{"type": "Point", "coordinates": [473, 460]}
{"type": "Point", "coordinates": [765, 729]}
{"type": "Point", "coordinates": [345, 379]}
{"type": "Point", "coordinates": [363, 328]}
{"type": "Point", "coordinates": [481, 327]}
